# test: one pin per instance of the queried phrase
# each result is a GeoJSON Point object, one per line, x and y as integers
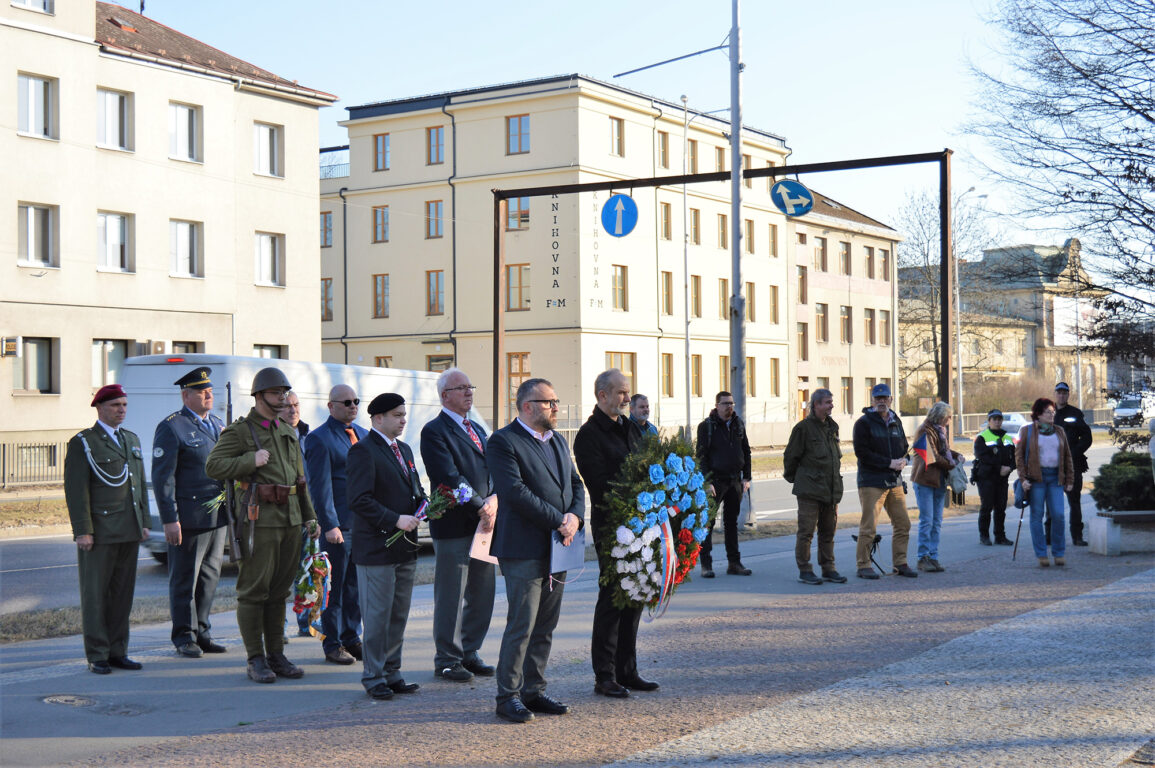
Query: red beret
{"type": "Point", "coordinates": [108, 392]}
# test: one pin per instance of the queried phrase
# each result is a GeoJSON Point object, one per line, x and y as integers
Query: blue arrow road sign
{"type": "Point", "coordinates": [619, 215]}
{"type": "Point", "coordinates": [792, 198]}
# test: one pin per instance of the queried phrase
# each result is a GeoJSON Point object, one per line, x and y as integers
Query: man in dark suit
{"type": "Point", "coordinates": [601, 446]}
{"type": "Point", "coordinates": [384, 495]}
{"type": "Point", "coordinates": [325, 452]}
{"type": "Point", "coordinates": [104, 488]}
{"type": "Point", "coordinates": [194, 528]}
{"type": "Point", "coordinates": [453, 449]}
{"type": "Point", "coordinates": [539, 493]}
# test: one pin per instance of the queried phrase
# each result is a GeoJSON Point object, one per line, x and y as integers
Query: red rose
{"type": "Point", "coordinates": [685, 535]}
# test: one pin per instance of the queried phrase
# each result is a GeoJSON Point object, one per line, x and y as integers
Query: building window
{"type": "Point", "coordinates": [383, 361]}
{"type": "Point", "coordinates": [774, 305]}
{"type": "Point", "coordinates": [435, 145]}
{"type": "Point", "coordinates": [693, 155]}
{"type": "Point", "coordinates": [621, 288]}
{"type": "Point", "coordinates": [868, 335]}
{"type": "Point", "coordinates": [326, 298]}
{"type": "Point", "coordinates": [884, 326]}
{"type": "Point", "coordinates": [869, 261]}
{"type": "Point", "coordinates": [114, 246]}
{"type": "Point", "coordinates": [667, 224]}
{"type": "Point", "coordinates": [824, 382]}
{"type": "Point", "coordinates": [268, 149]}
{"type": "Point", "coordinates": [774, 240]}
{"type": "Point", "coordinates": [723, 231]}
{"type": "Point", "coordinates": [44, 6]}
{"type": "Point", "coordinates": [626, 362]}
{"type": "Point", "coordinates": [517, 134]}
{"type": "Point", "coordinates": [268, 351]}
{"type": "Point", "coordinates": [802, 283]}
{"type": "Point", "coordinates": [435, 292]}
{"type": "Point", "coordinates": [801, 238]}
{"type": "Point", "coordinates": [751, 378]}
{"type": "Point", "coordinates": [517, 287]}
{"type": "Point", "coordinates": [667, 293]}
{"type": "Point", "coordinates": [517, 364]}
{"type": "Point", "coordinates": [719, 159]}
{"type": "Point", "coordinates": [381, 158]}
{"type": "Point", "coordinates": [270, 253]}
{"type": "Point", "coordinates": [113, 127]}
{"type": "Point", "coordinates": [36, 238]}
{"type": "Point", "coordinates": [663, 149]}
{"type": "Point", "coordinates": [724, 372]}
{"type": "Point", "coordinates": [380, 224]}
{"type": "Point", "coordinates": [885, 257]}
{"type": "Point", "coordinates": [822, 322]}
{"type": "Point", "coordinates": [1023, 347]}
{"type": "Point", "coordinates": [36, 106]}
{"type": "Point", "coordinates": [517, 213]}
{"type": "Point", "coordinates": [820, 262]}
{"type": "Point", "coordinates": [775, 377]}
{"type": "Point", "coordinates": [696, 375]}
{"type": "Point", "coordinates": [845, 320]}
{"type": "Point", "coordinates": [184, 132]}
{"type": "Point", "coordinates": [617, 137]}
{"type": "Point", "coordinates": [844, 265]}
{"type": "Point", "coordinates": [803, 343]}
{"type": "Point", "coordinates": [326, 229]}
{"type": "Point", "coordinates": [847, 394]}
{"type": "Point", "coordinates": [723, 298]}
{"type": "Point", "coordinates": [770, 180]}
{"type": "Point", "coordinates": [37, 368]}
{"type": "Point", "coordinates": [184, 239]}
{"type": "Point", "coordinates": [867, 386]}
{"type": "Point", "coordinates": [998, 346]}
{"type": "Point", "coordinates": [751, 315]}
{"type": "Point", "coordinates": [696, 295]}
{"type": "Point", "coordinates": [667, 375]}
{"type": "Point", "coordinates": [748, 236]}
{"type": "Point", "coordinates": [438, 363]}
{"type": "Point", "coordinates": [433, 213]}
{"type": "Point", "coordinates": [380, 296]}
{"type": "Point", "coordinates": [107, 360]}
{"type": "Point", "coordinates": [695, 226]}
{"type": "Point", "coordinates": [747, 164]}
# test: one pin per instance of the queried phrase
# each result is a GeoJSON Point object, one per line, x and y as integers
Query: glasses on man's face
{"type": "Point", "coordinates": [462, 388]}
{"type": "Point", "coordinates": [348, 403]}
{"type": "Point", "coordinates": [727, 402]}
{"type": "Point", "coordinates": [549, 403]}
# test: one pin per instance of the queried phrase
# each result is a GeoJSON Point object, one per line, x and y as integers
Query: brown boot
{"type": "Point", "coordinates": [1044, 562]}
{"type": "Point", "coordinates": [283, 667]}
{"type": "Point", "coordinates": [259, 671]}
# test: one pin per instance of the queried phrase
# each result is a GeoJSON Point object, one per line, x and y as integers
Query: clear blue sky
{"type": "Point", "coordinates": [838, 80]}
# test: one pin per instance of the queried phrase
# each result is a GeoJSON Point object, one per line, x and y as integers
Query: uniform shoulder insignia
{"type": "Point", "coordinates": [157, 452]}
{"type": "Point", "coordinates": [172, 416]}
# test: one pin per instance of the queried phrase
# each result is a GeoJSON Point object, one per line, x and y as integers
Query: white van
{"type": "Point", "coordinates": [152, 396]}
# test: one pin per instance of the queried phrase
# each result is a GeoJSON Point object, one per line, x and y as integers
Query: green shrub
{"type": "Point", "coordinates": [1125, 483]}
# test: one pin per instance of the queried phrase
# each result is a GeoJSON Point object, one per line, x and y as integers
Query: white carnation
{"type": "Point", "coordinates": [623, 566]}
{"type": "Point", "coordinates": [619, 552]}
{"type": "Point", "coordinates": [636, 545]}
{"type": "Point", "coordinates": [625, 535]}
{"type": "Point", "coordinates": [650, 534]}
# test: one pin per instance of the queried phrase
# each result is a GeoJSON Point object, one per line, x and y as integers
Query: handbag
{"type": "Point", "coordinates": [1023, 497]}
{"type": "Point", "coordinates": [957, 479]}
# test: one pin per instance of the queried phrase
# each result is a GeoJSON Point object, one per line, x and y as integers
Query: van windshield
{"type": "Point", "coordinates": [1129, 404]}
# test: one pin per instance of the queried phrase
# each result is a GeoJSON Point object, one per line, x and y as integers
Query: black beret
{"type": "Point", "coordinates": [385, 403]}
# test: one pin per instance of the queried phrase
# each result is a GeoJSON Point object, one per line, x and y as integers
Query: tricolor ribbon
{"type": "Point", "coordinates": [669, 570]}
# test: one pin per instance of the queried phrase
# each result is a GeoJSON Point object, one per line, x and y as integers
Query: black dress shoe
{"type": "Point", "coordinates": [834, 576]}
{"type": "Point", "coordinates": [514, 711]}
{"type": "Point", "coordinates": [1079, 542]}
{"type": "Point", "coordinates": [707, 573]}
{"type": "Point", "coordinates": [478, 667]}
{"type": "Point", "coordinates": [355, 651]}
{"type": "Point", "coordinates": [99, 668]}
{"type": "Point", "coordinates": [457, 673]}
{"type": "Point", "coordinates": [611, 688]}
{"type": "Point", "coordinates": [403, 687]}
{"type": "Point", "coordinates": [190, 650]}
{"type": "Point", "coordinates": [380, 692]}
{"type": "Point", "coordinates": [546, 705]}
{"type": "Point", "coordinates": [1004, 541]}
{"type": "Point", "coordinates": [208, 646]}
{"type": "Point", "coordinates": [282, 667]}
{"type": "Point", "coordinates": [737, 569]}
{"type": "Point", "coordinates": [123, 662]}
{"type": "Point", "coordinates": [636, 683]}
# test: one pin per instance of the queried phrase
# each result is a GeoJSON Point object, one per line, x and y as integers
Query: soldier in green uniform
{"type": "Point", "coordinates": [261, 452]}
{"type": "Point", "coordinates": [104, 487]}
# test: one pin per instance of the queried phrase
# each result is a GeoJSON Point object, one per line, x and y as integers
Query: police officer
{"type": "Point", "coordinates": [194, 527]}
{"type": "Point", "coordinates": [1079, 439]}
{"type": "Point", "coordinates": [104, 488]}
{"type": "Point", "coordinates": [261, 452]}
{"type": "Point", "coordinates": [994, 460]}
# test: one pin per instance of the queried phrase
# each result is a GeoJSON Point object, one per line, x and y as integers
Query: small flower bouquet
{"type": "Point", "coordinates": [660, 514]}
{"type": "Point", "coordinates": [441, 501]}
{"type": "Point", "coordinates": [312, 584]}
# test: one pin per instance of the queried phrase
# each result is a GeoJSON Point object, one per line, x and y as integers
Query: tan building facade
{"type": "Point", "coordinates": [160, 198]}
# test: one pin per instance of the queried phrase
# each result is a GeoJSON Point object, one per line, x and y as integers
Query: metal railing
{"type": "Point", "coordinates": [335, 171]}
{"type": "Point", "coordinates": [31, 463]}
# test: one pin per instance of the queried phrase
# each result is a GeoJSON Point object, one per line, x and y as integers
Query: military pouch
{"type": "Point", "coordinates": [270, 493]}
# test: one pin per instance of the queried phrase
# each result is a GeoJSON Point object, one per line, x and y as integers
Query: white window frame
{"type": "Point", "coordinates": [186, 254]}
{"type": "Point", "coordinates": [184, 132]}
{"type": "Point", "coordinates": [113, 119]}
{"type": "Point", "coordinates": [114, 242]}
{"type": "Point", "coordinates": [270, 259]}
{"type": "Point", "coordinates": [37, 352]}
{"type": "Point", "coordinates": [40, 6]}
{"type": "Point", "coordinates": [37, 235]}
{"type": "Point", "coordinates": [268, 150]}
{"type": "Point", "coordinates": [36, 106]}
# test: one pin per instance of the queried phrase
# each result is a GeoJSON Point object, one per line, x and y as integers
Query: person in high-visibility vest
{"type": "Point", "coordinates": [994, 461]}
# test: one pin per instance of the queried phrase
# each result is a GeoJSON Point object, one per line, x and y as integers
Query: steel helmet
{"type": "Point", "coordinates": [269, 378]}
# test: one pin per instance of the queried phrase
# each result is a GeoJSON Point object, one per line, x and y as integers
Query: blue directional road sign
{"type": "Point", "coordinates": [619, 215]}
{"type": "Point", "coordinates": [792, 198]}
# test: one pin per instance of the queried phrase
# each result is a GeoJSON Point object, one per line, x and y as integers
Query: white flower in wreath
{"type": "Point", "coordinates": [625, 535]}
{"type": "Point", "coordinates": [623, 566]}
{"type": "Point", "coordinates": [636, 545]}
{"type": "Point", "coordinates": [650, 534]}
{"type": "Point", "coordinates": [619, 552]}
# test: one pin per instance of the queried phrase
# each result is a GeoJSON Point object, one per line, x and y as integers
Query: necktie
{"type": "Point", "coordinates": [472, 435]}
{"type": "Point", "coordinates": [352, 435]}
{"type": "Point", "coordinates": [397, 453]}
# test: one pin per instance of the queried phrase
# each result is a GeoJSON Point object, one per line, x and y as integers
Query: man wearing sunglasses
{"type": "Point", "coordinates": [325, 451]}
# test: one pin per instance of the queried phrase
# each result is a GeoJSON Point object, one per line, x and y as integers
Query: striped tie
{"type": "Point", "coordinates": [472, 435]}
{"type": "Point", "coordinates": [397, 453]}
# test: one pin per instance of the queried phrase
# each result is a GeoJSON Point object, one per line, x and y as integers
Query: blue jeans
{"type": "Point", "coordinates": [1048, 492]}
{"type": "Point", "coordinates": [930, 501]}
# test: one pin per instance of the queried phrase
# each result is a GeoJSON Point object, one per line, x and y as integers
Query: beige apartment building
{"type": "Point", "coordinates": [160, 198]}
{"type": "Point", "coordinates": [407, 252]}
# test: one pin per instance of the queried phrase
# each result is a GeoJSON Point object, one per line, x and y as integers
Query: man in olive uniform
{"type": "Point", "coordinates": [261, 452]}
{"type": "Point", "coordinates": [193, 526]}
{"type": "Point", "coordinates": [104, 487]}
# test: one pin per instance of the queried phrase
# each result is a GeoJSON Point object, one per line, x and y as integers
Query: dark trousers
{"type": "Point", "coordinates": [1075, 505]}
{"type": "Point", "coordinates": [729, 497]}
{"type": "Point", "coordinates": [823, 517]}
{"type": "Point", "coordinates": [463, 590]}
{"type": "Point", "coordinates": [107, 583]}
{"type": "Point", "coordinates": [386, 592]}
{"type": "Point", "coordinates": [194, 568]}
{"type": "Point", "coordinates": [993, 499]}
{"type": "Point", "coordinates": [341, 619]}
{"type": "Point", "coordinates": [534, 608]}
{"type": "Point", "coordinates": [614, 641]}
{"type": "Point", "coordinates": [264, 582]}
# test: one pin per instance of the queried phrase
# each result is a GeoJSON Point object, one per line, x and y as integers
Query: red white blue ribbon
{"type": "Point", "coordinates": [669, 570]}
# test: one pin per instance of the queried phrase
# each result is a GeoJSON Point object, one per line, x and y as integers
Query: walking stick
{"type": "Point", "coordinates": [1015, 551]}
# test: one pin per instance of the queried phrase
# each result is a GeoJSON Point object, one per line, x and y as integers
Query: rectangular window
{"type": "Point", "coordinates": [270, 253]}
{"type": "Point", "coordinates": [667, 224]}
{"type": "Point", "coordinates": [517, 287]}
{"type": "Point", "coordinates": [268, 151]}
{"type": "Point", "coordinates": [774, 305]}
{"type": "Point", "coordinates": [517, 213]}
{"type": "Point", "coordinates": [801, 238]}
{"type": "Point", "coordinates": [663, 149]}
{"type": "Point", "coordinates": [748, 235]}
{"type": "Point", "coordinates": [184, 238]}
{"type": "Point", "coordinates": [326, 229]}
{"type": "Point", "coordinates": [37, 368]}
{"type": "Point", "coordinates": [114, 248]}
{"type": "Point", "coordinates": [774, 240]}
{"type": "Point", "coordinates": [36, 106]}
{"type": "Point", "coordinates": [617, 136]}
{"type": "Point", "coordinates": [719, 159]}
{"type": "Point", "coordinates": [326, 298]}
{"type": "Point", "coordinates": [433, 213]}
{"type": "Point", "coordinates": [517, 134]}
{"type": "Point", "coordinates": [435, 292]}
{"type": "Point", "coordinates": [802, 283]}
{"type": "Point", "coordinates": [723, 298]}
{"type": "Point", "coordinates": [44, 6]}
{"type": "Point", "coordinates": [113, 127]}
{"type": "Point", "coordinates": [998, 346]}
{"type": "Point", "coordinates": [667, 293]}
{"type": "Point", "coordinates": [775, 378]}
{"type": "Point", "coordinates": [747, 165]}
{"type": "Point", "coordinates": [844, 265]}
{"type": "Point", "coordinates": [696, 375]}
{"type": "Point", "coordinates": [380, 296]}
{"type": "Point", "coordinates": [517, 364]}
{"type": "Point", "coordinates": [693, 155]}
{"type": "Point", "coordinates": [107, 360]}
{"type": "Point", "coordinates": [1022, 347]}
{"type": "Point", "coordinates": [845, 322]}
{"type": "Point", "coordinates": [438, 363]}
{"type": "Point", "coordinates": [803, 343]}
{"type": "Point", "coordinates": [869, 261]}
{"type": "Point", "coordinates": [381, 158]}
{"type": "Point", "coordinates": [824, 382]}
{"type": "Point", "coordinates": [435, 145]}
{"type": "Point", "coordinates": [884, 326]}
{"type": "Point", "coordinates": [884, 255]}
{"type": "Point", "coordinates": [770, 180]}
{"type": "Point", "coordinates": [820, 262]}
{"type": "Point", "coordinates": [696, 295]}
{"type": "Point", "coordinates": [383, 361]}
{"type": "Point", "coordinates": [724, 372]}
{"type": "Point", "coordinates": [667, 375]}
{"type": "Point", "coordinates": [751, 378]}
{"type": "Point", "coordinates": [868, 333]}
{"type": "Point", "coordinates": [36, 236]}
{"type": "Point", "coordinates": [751, 315]}
{"type": "Point", "coordinates": [380, 224]}
{"type": "Point", "coordinates": [867, 385]}
{"type": "Point", "coordinates": [822, 322]}
{"type": "Point", "coordinates": [723, 231]}
{"type": "Point", "coordinates": [184, 132]}
{"type": "Point", "coordinates": [847, 394]}
{"type": "Point", "coordinates": [621, 288]}
{"type": "Point", "coordinates": [626, 362]}
{"type": "Point", "coordinates": [695, 226]}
